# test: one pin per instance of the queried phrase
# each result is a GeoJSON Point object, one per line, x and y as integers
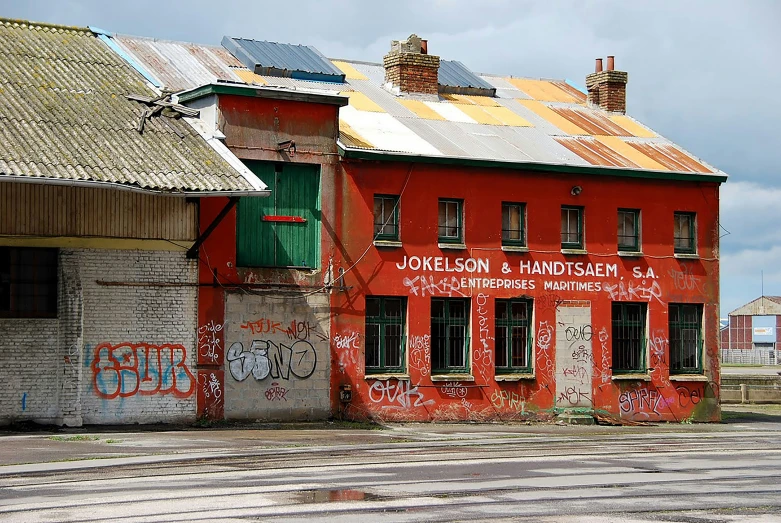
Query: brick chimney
{"type": "Point", "coordinates": [410, 69]}
{"type": "Point", "coordinates": [607, 89]}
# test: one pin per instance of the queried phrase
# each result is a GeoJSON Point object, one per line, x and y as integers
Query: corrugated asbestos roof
{"type": "Point", "coordinates": [529, 120]}
{"type": "Point", "coordinates": [64, 117]}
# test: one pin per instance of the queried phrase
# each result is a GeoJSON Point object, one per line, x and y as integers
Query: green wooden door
{"type": "Point", "coordinates": [282, 230]}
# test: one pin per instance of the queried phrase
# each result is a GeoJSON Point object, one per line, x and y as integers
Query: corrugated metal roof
{"type": "Point", "coordinates": [455, 74]}
{"type": "Point", "coordinates": [277, 59]}
{"type": "Point", "coordinates": [64, 115]}
{"type": "Point", "coordinates": [595, 152]}
{"type": "Point", "coordinates": [765, 305]}
{"type": "Point", "coordinates": [525, 119]}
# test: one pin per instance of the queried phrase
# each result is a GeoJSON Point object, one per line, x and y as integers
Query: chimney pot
{"type": "Point", "coordinates": [410, 69]}
{"type": "Point", "coordinates": [607, 89]}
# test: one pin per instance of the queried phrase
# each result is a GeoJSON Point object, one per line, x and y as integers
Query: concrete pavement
{"type": "Point", "coordinates": [94, 447]}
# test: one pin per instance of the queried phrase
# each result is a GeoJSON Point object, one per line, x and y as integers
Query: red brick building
{"type": "Point", "coordinates": [753, 331]}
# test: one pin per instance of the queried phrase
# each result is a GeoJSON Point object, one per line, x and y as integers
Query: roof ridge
{"type": "Point", "coordinates": [31, 24]}
{"type": "Point", "coordinates": [165, 40]}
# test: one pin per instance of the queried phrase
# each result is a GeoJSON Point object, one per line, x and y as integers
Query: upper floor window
{"type": "Point", "coordinates": [385, 320]}
{"type": "Point", "coordinates": [629, 337]}
{"type": "Point", "coordinates": [684, 236]}
{"type": "Point", "coordinates": [386, 217]}
{"type": "Point", "coordinates": [28, 282]}
{"type": "Point", "coordinates": [685, 321]}
{"type": "Point", "coordinates": [571, 227]}
{"type": "Point", "coordinates": [514, 224]}
{"type": "Point", "coordinates": [513, 336]}
{"type": "Point", "coordinates": [451, 219]}
{"type": "Point", "coordinates": [449, 335]}
{"type": "Point", "coordinates": [629, 230]}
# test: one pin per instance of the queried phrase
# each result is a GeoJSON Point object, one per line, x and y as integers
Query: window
{"type": "Point", "coordinates": [449, 335]}
{"type": "Point", "coordinates": [28, 282]}
{"type": "Point", "coordinates": [685, 338]}
{"type": "Point", "coordinates": [386, 217]}
{"type": "Point", "coordinates": [385, 319]}
{"type": "Point", "coordinates": [514, 224]}
{"type": "Point", "coordinates": [513, 336]}
{"type": "Point", "coordinates": [572, 227]}
{"type": "Point", "coordinates": [283, 229]}
{"type": "Point", "coordinates": [628, 337]}
{"type": "Point", "coordinates": [629, 230]}
{"type": "Point", "coordinates": [451, 221]}
{"type": "Point", "coordinates": [684, 235]}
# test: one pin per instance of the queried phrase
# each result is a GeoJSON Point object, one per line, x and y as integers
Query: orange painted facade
{"type": "Point", "coordinates": [557, 283]}
{"type": "Point", "coordinates": [571, 294]}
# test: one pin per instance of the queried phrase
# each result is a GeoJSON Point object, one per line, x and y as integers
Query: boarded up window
{"type": "Point", "coordinates": [281, 230]}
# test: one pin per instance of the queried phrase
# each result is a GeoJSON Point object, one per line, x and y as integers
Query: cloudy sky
{"type": "Point", "coordinates": [699, 72]}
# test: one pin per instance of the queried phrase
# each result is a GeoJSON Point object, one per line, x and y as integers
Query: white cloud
{"type": "Point", "coordinates": [751, 213]}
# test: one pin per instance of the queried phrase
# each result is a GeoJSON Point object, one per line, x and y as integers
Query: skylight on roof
{"type": "Point", "coordinates": [455, 77]}
{"type": "Point", "coordinates": [302, 62]}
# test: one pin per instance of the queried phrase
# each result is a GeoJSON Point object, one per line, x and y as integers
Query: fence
{"type": "Point", "coordinates": [756, 356]}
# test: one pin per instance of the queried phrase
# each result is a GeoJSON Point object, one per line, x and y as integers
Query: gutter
{"type": "Point", "coordinates": [125, 187]}
{"type": "Point", "coordinates": [375, 155]}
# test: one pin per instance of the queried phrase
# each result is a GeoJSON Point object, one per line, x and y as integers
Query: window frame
{"type": "Point", "coordinates": [382, 236]}
{"type": "Point", "coordinates": [514, 242]}
{"type": "Point", "coordinates": [642, 357]}
{"type": "Point", "coordinates": [449, 321]}
{"type": "Point", "coordinates": [580, 244]}
{"type": "Point", "coordinates": [692, 237]}
{"type": "Point", "coordinates": [625, 247]}
{"type": "Point", "coordinates": [384, 321]}
{"type": "Point", "coordinates": [507, 325]}
{"type": "Point", "coordinates": [679, 326]}
{"type": "Point", "coordinates": [44, 275]}
{"type": "Point", "coordinates": [459, 238]}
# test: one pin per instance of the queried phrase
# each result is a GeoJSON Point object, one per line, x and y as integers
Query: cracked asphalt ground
{"type": "Point", "coordinates": [402, 472]}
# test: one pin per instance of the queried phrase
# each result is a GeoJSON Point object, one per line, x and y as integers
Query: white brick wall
{"type": "Point", "coordinates": [29, 366]}
{"type": "Point", "coordinates": [46, 366]}
{"type": "Point", "coordinates": [138, 315]}
{"type": "Point", "coordinates": [282, 376]}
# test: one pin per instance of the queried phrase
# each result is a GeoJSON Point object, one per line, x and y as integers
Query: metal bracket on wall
{"type": "Point", "coordinates": [193, 251]}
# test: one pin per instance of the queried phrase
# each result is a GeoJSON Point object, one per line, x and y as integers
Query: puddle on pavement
{"type": "Point", "coordinates": [326, 496]}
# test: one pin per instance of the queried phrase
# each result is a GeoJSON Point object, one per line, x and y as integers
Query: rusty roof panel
{"type": "Point", "coordinates": [590, 121]}
{"type": "Point", "coordinates": [595, 152]}
{"type": "Point", "coordinates": [578, 95]}
{"type": "Point", "coordinates": [671, 157]}
{"type": "Point", "coordinates": [213, 63]}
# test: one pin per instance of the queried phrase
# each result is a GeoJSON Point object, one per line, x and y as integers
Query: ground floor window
{"type": "Point", "coordinates": [685, 321]}
{"type": "Point", "coordinates": [385, 320]}
{"type": "Point", "coordinates": [513, 335]}
{"type": "Point", "coordinates": [628, 321]}
{"type": "Point", "coordinates": [449, 335]}
{"type": "Point", "coordinates": [28, 282]}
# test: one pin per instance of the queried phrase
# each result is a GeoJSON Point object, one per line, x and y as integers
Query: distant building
{"type": "Point", "coordinates": [753, 332]}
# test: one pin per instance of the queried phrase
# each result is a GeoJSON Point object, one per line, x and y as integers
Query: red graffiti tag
{"type": "Point", "coordinates": [124, 370]}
